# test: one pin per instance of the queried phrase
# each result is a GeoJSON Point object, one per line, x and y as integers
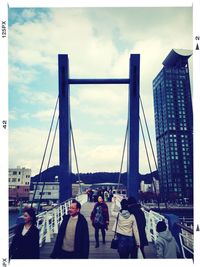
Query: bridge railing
{"type": "Point", "coordinates": [186, 238]}
{"type": "Point", "coordinates": [152, 218]}
{"type": "Point", "coordinates": [48, 222]}
{"type": "Point", "coordinates": [184, 232]}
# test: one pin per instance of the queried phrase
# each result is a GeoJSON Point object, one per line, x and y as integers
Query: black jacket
{"type": "Point", "coordinates": [27, 246]}
{"type": "Point", "coordinates": [81, 244]}
{"type": "Point", "coordinates": [141, 222]}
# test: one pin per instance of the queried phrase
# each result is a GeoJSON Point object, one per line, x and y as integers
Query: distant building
{"type": "Point", "coordinates": [50, 192]}
{"type": "Point", "coordinates": [155, 186]}
{"type": "Point", "coordinates": [150, 187]}
{"type": "Point", "coordinates": [79, 188]}
{"type": "Point", "coordinates": [174, 125]}
{"type": "Point", "coordinates": [19, 176]}
{"type": "Point", "coordinates": [19, 184]}
{"type": "Point", "coordinates": [145, 187]}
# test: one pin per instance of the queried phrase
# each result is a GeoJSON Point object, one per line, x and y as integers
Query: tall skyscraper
{"type": "Point", "coordinates": [174, 126]}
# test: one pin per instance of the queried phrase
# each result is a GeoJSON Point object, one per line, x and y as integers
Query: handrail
{"type": "Point", "coordinates": [186, 238]}
{"type": "Point", "coordinates": [185, 233]}
{"type": "Point", "coordinates": [186, 228]}
{"type": "Point", "coordinates": [48, 224]}
{"type": "Point", "coordinates": [48, 221]}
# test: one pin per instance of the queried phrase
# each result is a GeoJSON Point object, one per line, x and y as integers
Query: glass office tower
{"type": "Point", "coordinates": [174, 126]}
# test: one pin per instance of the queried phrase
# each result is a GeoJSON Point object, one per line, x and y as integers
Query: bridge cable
{"type": "Point", "coordinates": [148, 159]}
{"type": "Point", "coordinates": [75, 156]}
{"type": "Point", "coordinates": [152, 150]}
{"type": "Point", "coordinates": [50, 154]}
{"type": "Point", "coordinates": [147, 128]}
{"type": "Point", "coordinates": [47, 142]}
{"type": "Point", "coordinates": [124, 147]}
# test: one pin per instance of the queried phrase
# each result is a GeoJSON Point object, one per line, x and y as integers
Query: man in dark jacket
{"type": "Point", "coordinates": [73, 236]}
{"type": "Point", "coordinates": [136, 210]}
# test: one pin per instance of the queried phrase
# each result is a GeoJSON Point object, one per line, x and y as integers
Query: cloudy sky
{"type": "Point", "coordinates": [99, 42]}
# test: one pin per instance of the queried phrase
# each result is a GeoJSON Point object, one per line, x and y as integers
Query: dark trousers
{"type": "Point", "coordinates": [67, 255]}
{"type": "Point", "coordinates": [126, 247]}
{"type": "Point", "coordinates": [103, 232]}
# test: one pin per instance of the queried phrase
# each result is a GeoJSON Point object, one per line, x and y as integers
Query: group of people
{"type": "Point", "coordinates": [72, 241]}
{"type": "Point", "coordinates": [93, 194]}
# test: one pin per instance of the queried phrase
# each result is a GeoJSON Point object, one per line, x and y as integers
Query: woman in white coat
{"type": "Point", "coordinates": [127, 230]}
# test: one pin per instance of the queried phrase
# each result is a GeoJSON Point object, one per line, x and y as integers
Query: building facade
{"type": "Point", "coordinates": [48, 194]}
{"type": "Point", "coordinates": [174, 126]}
{"type": "Point", "coordinates": [152, 187]}
{"type": "Point", "coordinates": [19, 184]}
{"type": "Point", "coordinates": [19, 176]}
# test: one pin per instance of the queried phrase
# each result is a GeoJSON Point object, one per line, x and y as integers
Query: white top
{"type": "Point", "coordinates": [69, 238]}
{"type": "Point", "coordinates": [25, 230]}
{"type": "Point", "coordinates": [126, 225]}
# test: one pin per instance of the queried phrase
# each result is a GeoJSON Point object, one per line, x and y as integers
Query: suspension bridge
{"type": "Point", "coordinates": [48, 222]}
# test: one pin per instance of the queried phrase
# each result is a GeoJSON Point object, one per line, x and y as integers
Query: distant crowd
{"type": "Point", "coordinates": [93, 194]}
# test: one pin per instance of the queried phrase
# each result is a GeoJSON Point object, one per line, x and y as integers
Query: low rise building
{"type": "Point", "coordinates": [48, 192]}
{"type": "Point", "coordinates": [150, 187]}
{"type": "Point", "coordinates": [19, 184]}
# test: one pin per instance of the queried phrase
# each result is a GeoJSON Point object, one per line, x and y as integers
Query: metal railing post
{"type": "Point", "coordinates": [56, 214]}
{"type": "Point", "coordinates": [48, 231]}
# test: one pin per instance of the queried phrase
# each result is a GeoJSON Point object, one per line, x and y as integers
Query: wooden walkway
{"type": "Point", "coordinates": [103, 251]}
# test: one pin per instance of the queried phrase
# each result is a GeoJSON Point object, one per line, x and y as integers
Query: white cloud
{"type": "Point", "coordinates": [43, 115]}
{"type": "Point", "coordinates": [26, 148]}
{"type": "Point", "coordinates": [104, 102]}
{"type": "Point", "coordinates": [19, 75]}
{"type": "Point", "coordinates": [28, 13]}
{"type": "Point", "coordinates": [67, 31]}
{"type": "Point", "coordinates": [26, 116]}
{"type": "Point", "coordinates": [99, 43]}
{"type": "Point", "coordinates": [105, 158]}
{"type": "Point", "coordinates": [12, 115]}
{"type": "Point", "coordinates": [37, 97]}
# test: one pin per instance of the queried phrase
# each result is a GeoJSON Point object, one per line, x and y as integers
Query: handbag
{"type": "Point", "coordinates": [114, 242]}
{"type": "Point", "coordinates": [139, 254]}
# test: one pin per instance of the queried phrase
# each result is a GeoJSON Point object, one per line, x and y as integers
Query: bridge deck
{"type": "Point", "coordinates": [103, 251]}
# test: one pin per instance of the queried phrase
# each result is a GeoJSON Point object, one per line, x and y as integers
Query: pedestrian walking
{"type": "Point", "coordinates": [166, 246]}
{"type": "Point", "coordinates": [25, 243]}
{"type": "Point", "coordinates": [135, 209]}
{"type": "Point", "coordinates": [72, 241]}
{"type": "Point", "coordinates": [106, 195]}
{"type": "Point", "coordinates": [95, 195]}
{"type": "Point", "coordinates": [110, 195]}
{"type": "Point", "coordinates": [100, 219]}
{"type": "Point", "coordinates": [126, 229]}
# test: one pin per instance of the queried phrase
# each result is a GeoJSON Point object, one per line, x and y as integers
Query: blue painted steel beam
{"type": "Point", "coordinates": [133, 127]}
{"type": "Point", "coordinates": [99, 81]}
{"type": "Point", "coordinates": [64, 129]}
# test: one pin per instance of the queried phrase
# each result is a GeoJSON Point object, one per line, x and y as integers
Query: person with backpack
{"type": "Point", "coordinates": [100, 219]}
